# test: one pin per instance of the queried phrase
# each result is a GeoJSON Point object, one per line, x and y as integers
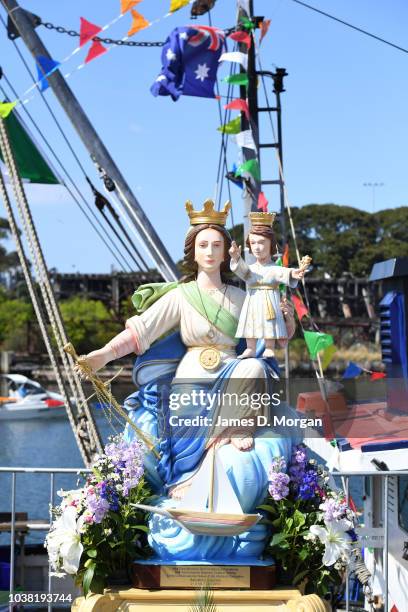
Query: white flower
{"type": "Point", "coordinates": [64, 541]}
{"type": "Point", "coordinates": [335, 539]}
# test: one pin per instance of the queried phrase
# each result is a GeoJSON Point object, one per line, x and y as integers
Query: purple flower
{"type": "Point", "coordinates": [278, 480]}
{"type": "Point", "coordinates": [308, 485]}
{"type": "Point", "coordinates": [98, 505]}
{"type": "Point", "coordinates": [333, 509]}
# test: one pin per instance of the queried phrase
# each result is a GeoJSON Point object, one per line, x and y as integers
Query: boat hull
{"type": "Point", "coordinates": [216, 524]}
{"type": "Point", "coordinates": [11, 412]}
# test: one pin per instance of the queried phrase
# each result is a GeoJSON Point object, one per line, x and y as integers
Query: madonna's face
{"type": "Point", "coordinates": [209, 250]}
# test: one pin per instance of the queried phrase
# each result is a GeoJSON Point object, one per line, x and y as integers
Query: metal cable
{"type": "Point", "coordinates": [90, 439]}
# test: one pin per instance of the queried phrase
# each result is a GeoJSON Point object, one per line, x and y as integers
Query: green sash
{"type": "Point", "coordinates": [222, 319]}
{"type": "Point", "coordinates": [146, 295]}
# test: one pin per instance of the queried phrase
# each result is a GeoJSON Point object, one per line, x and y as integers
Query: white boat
{"type": "Point", "coordinates": [27, 399]}
{"type": "Point", "coordinates": [210, 506]}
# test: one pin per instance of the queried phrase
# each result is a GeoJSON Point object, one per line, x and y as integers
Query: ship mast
{"type": "Point", "coordinates": [100, 155]}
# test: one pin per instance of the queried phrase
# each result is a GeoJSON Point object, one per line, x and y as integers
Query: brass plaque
{"type": "Point", "coordinates": [196, 576]}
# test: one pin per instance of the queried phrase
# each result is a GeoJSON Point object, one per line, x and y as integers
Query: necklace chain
{"type": "Point", "coordinates": [211, 333]}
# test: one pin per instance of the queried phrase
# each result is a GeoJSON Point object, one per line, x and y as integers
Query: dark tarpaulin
{"type": "Point", "coordinates": [30, 162]}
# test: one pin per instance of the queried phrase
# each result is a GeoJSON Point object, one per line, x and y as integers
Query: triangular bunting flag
{"type": "Point", "coordinates": [262, 202]}
{"type": "Point", "coordinates": [316, 342]}
{"type": "Point", "coordinates": [87, 31]}
{"type": "Point", "coordinates": [241, 37]}
{"type": "Point", "coordinates": [233, 178]}
{"type": "Point", "coordinates": [264, 29]}
{"type": "Point", "coordinates": [239, 104]}
{"type": "Point", "coordinates": [237, 79]}
{"type": "Point", "coordinates": [233, 127]}
{"type": "Point", "coordinates": [250, 167]}
{"type": "Point", "coordinates": [300, 308]}
{"type": "Point", "coordinates": [6, 108]}
{"type": "Point", "coordinates": [126, 5]}
{"type": "Point", "coordinates": [138, 23]}
{"type": "Point", "coordinates": [352, 370]}
{"type": "Point", "coordinates": [235, 56]}
{"type": "Point", "coordinates": [245, 140]}
{"type": "Point", "coordinates": [248, 24]}
{"type": "Point", "coordinates": [377, 375]}
{"type": "Point", "coordinates": [95, 50]}
{"type": "Point", "coordinates": [328, 355]}
{"type": "Point", "coordinates": [285, 256]}
{"type": "Point", "coordinates": [175, 5]}
{"type": "Point", "coordinates": [45, 66]}
{"type": "Point", "coordinates": [244, 4]}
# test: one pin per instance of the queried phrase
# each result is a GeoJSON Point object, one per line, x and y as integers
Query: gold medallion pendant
{"type": "Point", "coordinates": [210, 358]}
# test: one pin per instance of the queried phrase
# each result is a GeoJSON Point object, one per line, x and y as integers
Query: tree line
{"type": "Point", "coordinates": [340, 239]}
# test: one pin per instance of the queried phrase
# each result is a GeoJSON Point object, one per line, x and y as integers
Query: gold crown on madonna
{"type": "Point", "coordinates": [262, 218]}
{"type": "Point", "coordinates": [208, 214]}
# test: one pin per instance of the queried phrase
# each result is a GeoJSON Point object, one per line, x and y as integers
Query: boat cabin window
{"type": "Point", "coordinates": [24, 389]}
{"type": "Point", "coordinates": [403, 502]}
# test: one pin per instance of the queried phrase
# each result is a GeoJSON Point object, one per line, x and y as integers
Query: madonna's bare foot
{"type": "Point", "coordinates": [268, 352]}
{"type": "Point", "coordinates": [243, 444]}
{"type": "Point", "coordinates": [247, 354]}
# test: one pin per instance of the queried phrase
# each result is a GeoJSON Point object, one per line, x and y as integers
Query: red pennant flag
{"type": "Point", "coordinates": [300, 308]}
{"type": "Point", "coordinates": [126, 5]}
{"type": "Point", "coordinates": [264, 29]}
{"type": "Point", "coordinates": [239, 104]}
{"type": "Point", "coordinates": [96, 50]}
{"type": "Point", "coordinates": [351, 504]}
{"type": "Point", "coordinates": [285, 256]}
{"type": "Point", "coordinates": [87, 31]}
{"type": "Point", "coordinates": [377, 375]}
{"type": "Point", "coordinates": [241, 37]}
{"type": "Point", "coordinates": [262, 202]}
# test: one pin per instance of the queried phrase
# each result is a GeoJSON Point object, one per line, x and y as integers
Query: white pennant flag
{"type": "Point", "coordinates": [245, 139]}
{"type": "Point", "coordinates": [235, 56]}
{"type": "Point", "coordinates": [244, 4]}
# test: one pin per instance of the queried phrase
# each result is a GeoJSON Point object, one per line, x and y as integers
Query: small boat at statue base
{"type": "Point", "coordinates": [210, 506]}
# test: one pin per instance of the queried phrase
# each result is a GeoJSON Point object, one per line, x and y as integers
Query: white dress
{"type": "Point", "coordinates": [261, 315]}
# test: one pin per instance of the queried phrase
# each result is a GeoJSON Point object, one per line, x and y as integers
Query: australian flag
{"type": "Point", "coordinates": [190, 61]}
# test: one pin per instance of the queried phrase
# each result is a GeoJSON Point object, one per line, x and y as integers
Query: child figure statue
{"type": "Point", "coordinates": [261, 315]}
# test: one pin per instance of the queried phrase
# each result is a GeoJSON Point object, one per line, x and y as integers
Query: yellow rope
{"type": "Point", "coordinates": [105, 394]}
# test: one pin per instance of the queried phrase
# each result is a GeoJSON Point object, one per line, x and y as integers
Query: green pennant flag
{"type": "Point", "coordinates": [31, 163]}
{"type": "Point", "coordinates": [247, 23]}
{"type": "Point", "coordinates": [328, 355]}
{"type": "Point", "coordinates": [233, 127]}
{"type": "Point", "coordinates": [316, 342]}
{"type": "Point", "coordinates": [240, 78]}
{"type": "Point", "coordinates": [252, 167]}
{"type": "Point", "coordinates": [279, 262]}
{"type": "Point", "coordinates": [6, 108]}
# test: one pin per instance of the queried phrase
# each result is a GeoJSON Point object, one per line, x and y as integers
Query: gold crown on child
{"type": "Point", "coordinates": [208, 214]}
{"type": "Point", "coordinates": [262, 218]}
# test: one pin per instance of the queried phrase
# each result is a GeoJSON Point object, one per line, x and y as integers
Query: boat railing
{"type": "Point", "coordinates": [343, 475]}
{"type": "Point", "coordinates": [33, 526]}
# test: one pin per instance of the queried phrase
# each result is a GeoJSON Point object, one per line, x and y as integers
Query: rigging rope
{"type": "Point", "coordinates": [90, 441]}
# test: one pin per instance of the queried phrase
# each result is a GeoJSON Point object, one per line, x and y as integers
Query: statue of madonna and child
{"type": "Point", "coordinates": [213, 450]}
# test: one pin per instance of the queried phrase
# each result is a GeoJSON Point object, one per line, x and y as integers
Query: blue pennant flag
{"type": "Point", "coordinates": [352, 370]}
{"type": "Point", "coordinates": [45, 65]}
{"type": "Point", "coordinates": [189, 62]}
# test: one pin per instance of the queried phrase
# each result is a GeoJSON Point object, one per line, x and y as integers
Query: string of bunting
{"type": "Point", "coordinates": [88, 31]}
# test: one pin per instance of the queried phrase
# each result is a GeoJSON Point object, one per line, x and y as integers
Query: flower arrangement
{"type": "Point", "coordinates": [313, 527]}
{"type": "Point", "coordinates": [97, 531]}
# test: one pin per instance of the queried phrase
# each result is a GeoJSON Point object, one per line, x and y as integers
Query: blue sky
{"type": "Point", "coordinates": [344, 116]}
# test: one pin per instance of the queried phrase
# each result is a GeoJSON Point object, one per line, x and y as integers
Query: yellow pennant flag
{"type": "Point", "coordinates": [126, 5]}
{"type": "Point", "coordinates": [175, 5]}
{"type": "Point", "coordinates": [138, 23]}
{"type": "Point", "coordinates": [328, 355]}
{"type": "Point", "coordinates": [6, 108]}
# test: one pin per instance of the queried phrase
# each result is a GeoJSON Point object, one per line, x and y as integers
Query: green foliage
{"type": "Point", "coordinates": [205, 601]}
{"type": "Point", "coordinates": [14, 317]}
{"type": "Point", "coordinates": [88, 323]}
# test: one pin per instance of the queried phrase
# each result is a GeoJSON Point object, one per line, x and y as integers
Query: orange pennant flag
{"type": "Point", "coordinates": [126, 5]}
{"type": "Point", "coordinates": [95, 50]}
{"type": "Point", "coordinates": [264, 29]}
{"type": "Point", "coordinates": [138, 23]}
{"type": "Point", "coordinates": [285, 256]}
